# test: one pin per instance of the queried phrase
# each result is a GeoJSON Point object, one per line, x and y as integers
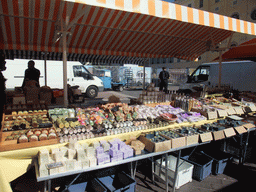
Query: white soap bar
{"type": "Point", "coordinates": [62, 169]}
{"type": "Point", "coordinates": [96, 144]}
{"type": "Point", "coordinates": [93, 161]}
{"type": "Point", "coordinates": [74, 145]}
{"type": "Point", "coordinates": [85, 145]}
{"type": "Point", "coordinates": [70, 165]}
{"type": "Point", "coordinates": [85, 163]}
{"type": "Point", "coordinates": [90, 152]}
{"type": "Point", "coordinates": [43, 171]}
{"type": "Point", "coordinates": [64, 151]}
{"type": "Point", "coordinates": [71, 154]}
{"type": "Point", "coordinates": [54, 150]}
{"type": "Point", "coordinates": [43, 158]}
{"type": "Point", "coordinates": [58, 156]}
{"type": "Point", "coordinates": [78, 165]}
{"type": "Point", "coordinates": [80, 154]}
{"type": "Point", "coordinates": [54, 171]}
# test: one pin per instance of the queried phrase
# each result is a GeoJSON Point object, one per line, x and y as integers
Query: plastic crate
{"type": "Point", "coordinates": [220, 161]}
{"type": "Point", "coordinates": [202, 165]}
{"type": "Point", "coordinates": [184, 172]}
{"type": "Point", "coordinates": [118, 182]}
{"type": "Point", "coordinates": [91, 186]}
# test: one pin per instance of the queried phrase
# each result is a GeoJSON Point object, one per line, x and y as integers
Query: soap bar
{"type": "Point", "coordinates": [62, 169]}
{"type": "Point", "coordinates": [93, 161]}
{"type": "Point", "coordinates": [121, 145]}
{"type": "Point", "coordinates": [85, 163]}
{"type": "Point", "coordinates": [96, 144]}
{"type": "Point", "coordinates": [70, 165]}
{"type": "Point", "coordinates": [53, 171]}
{"type": "Point", "coordinates": [114, 159]}
{"type": "Point", "coordinates": [77, 165]}
{"type": "Point", "coordinates": [120, 155]}
{"type": "Point", "coordinates": [53, 150]}
{"type": "Point", "coordinates": [85, 145]}
{"type": "Point", "coordinates": [74, 145]}
{"type": "Point", "coordinates": [43, 171]}
{"type": "Point", "coordinates": [100, 159]}
{"type": "Point", "coordinates": [71, 154]}
{"type": "Point", "coordinates": [99, 151]}
{"type": "Point", "coordinates": [80, 154]}
{"type": "Point", "coordinates": [106, 158]}
{"type": "Point", "coordinates": [64, 151]}
{"type": "Point", "coordinates": [106, 146]}
{"type": "Point", "coordinates": [44, 157]}
{"type": "Point", "coordinates": [90, 152]}
{"type": "Point", "coordinates": [113, 152]}
{"type": "Point", "coordinates": [58, 156]}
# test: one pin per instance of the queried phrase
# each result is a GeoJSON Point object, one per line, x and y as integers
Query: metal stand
{"type": "Point", "coordinates": [176, 170]}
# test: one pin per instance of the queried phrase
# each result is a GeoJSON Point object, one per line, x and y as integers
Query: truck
{"type": "Point", "coordinates": [77, 75]}
{"type": "Point", "coordinates": [240, 75]}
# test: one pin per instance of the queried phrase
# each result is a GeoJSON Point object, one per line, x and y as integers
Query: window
{"type": "Point", "coordinates": [235, 2]}
{"type": "Point", "coordinates": [235, 15]}
{"type": "Point", "coordinates": [217, 9]}
{"type": "Point", "coordinates": [201, 3]}
{"type": "Point", "coordinates": [190, 5]}
{"type": "Point", "coordinates": [217, 1]}
{"type": "Point", "coordinates": [253, 14]}
{"type": "Point", "coordinates": [80, 71]}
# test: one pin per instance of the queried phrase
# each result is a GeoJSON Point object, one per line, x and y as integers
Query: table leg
{"type": "Point", "coordinates": [166, 172]}
{"type": "Point", "coordinates": [153, 170]}
{"type": "Point", "coordinates": [49, 185]}
{"type": "Point", "coordinates": [176, 170]}
{"type": "Point", "coordinates": [45, 186]}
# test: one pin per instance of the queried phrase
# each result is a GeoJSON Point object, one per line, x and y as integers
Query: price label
{"type": "Point", "coordinates": [54, 165]}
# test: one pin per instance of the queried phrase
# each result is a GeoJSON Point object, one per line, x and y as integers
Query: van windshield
{"type": "Point", "coordinates": [201, 74]}
{"type": "Point", "coordinates": [81, 71]}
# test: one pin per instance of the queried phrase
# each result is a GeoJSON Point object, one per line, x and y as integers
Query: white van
{"type": "Point", "coordinates": [240, 75]}
{"type": "Point", "coordinates": [77, 74]}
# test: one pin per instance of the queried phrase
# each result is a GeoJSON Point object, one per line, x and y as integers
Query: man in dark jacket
{"type": "Point", "coordinates": [31, 73]}
{"type": "Point", "coordinates": [163, 76]}
{"type": "Point", "coordinates": [2, 85]}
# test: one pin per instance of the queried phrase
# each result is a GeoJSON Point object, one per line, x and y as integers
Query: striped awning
{"type": "Point", "coordinates": [123, 28]}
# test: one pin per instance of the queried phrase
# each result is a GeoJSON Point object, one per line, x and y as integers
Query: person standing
{"type": "Point", "coordinates": [31, 73]}
{"type": "Point", "coordinates": [164, 76]}
{"type": "Point", "coordinates": [2, 85]}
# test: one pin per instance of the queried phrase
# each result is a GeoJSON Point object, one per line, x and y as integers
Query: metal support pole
{"type": "Point", "coordinates": [144, 73]}
{"type": "Point", "coordinates": [64, 38]}
{"type": "Point", "coordinates": [220, 67]}
{"type": "Point", "coordinates": [45, 69]}
{"type": "Point", "coordinates": [49, 185]}
{"type": "Point", "coordinates": [176, 170]}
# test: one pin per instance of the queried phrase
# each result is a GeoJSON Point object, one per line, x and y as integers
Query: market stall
{"type": "Point", "coordinates": [124, 29]}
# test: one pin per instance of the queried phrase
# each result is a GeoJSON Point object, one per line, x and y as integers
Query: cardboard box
{"type": "Point", "coordinates": [231, 111]}
{"type": "Point", "coordinates": [155, 147]}
{"type": "Point", "coordinates": [229, 132]}
{"type": "Point", "coordinates": [178, 142]}
{"type": "Point", "coordinates": [209, 115]}
{"type": "Point", "coordinates": [239, 110]}
{"type": "Point", "coordinates": [248, 125]}
{"type": "Point", "coordinates": [206, 137]}
{"type": "Point", "coordinates": [218, 135]}
{"type": "Point", "coordinates": [222, 113]}
{"type": "Point", "coordinates": [240, 129]}
{"type": "Point", "coordinates": [193, 139]}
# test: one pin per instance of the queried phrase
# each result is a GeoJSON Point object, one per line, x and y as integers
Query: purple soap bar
{"type": "Point", "coordinates": [114, 145]}
{"type": "Point", "coordinates": [103, 141]}
{"type": "Point", "coordinates": [99, 151]}
{"type": "Point", "coordinates": [106, 158]}
{"type": "Point", "coordinates": [121, 145]}
{"type": "Point", "coordinates": [114, 159]}
{"type": "Point", "coordinates": [120, 155]}
{"type": "Point", "coordinates": [101, 159]}
{"type": "Point", "coordinates": [113, 152]}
